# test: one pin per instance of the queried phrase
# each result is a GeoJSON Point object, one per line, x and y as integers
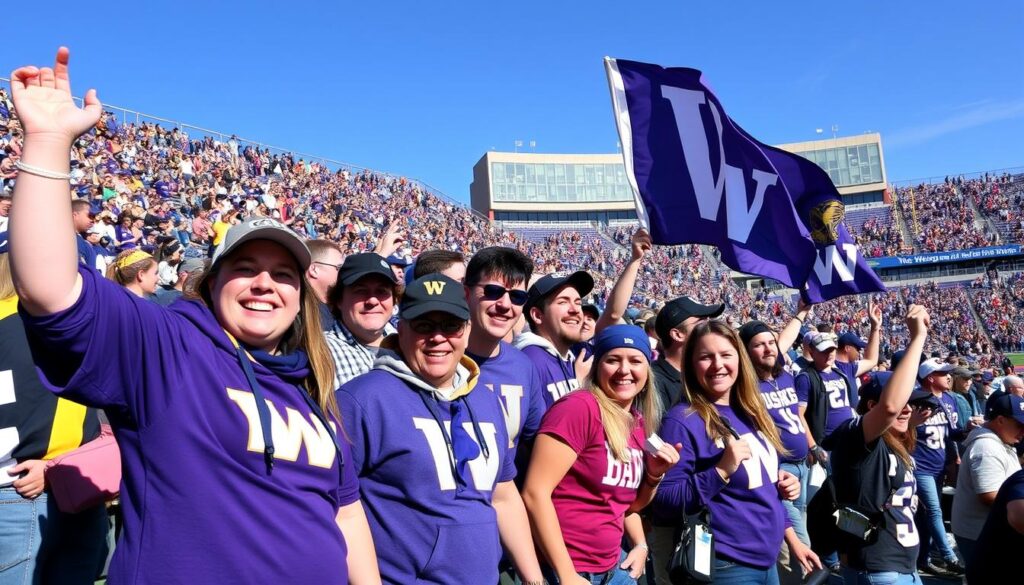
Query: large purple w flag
{"type": "Point", "coordinates": [782, 216]}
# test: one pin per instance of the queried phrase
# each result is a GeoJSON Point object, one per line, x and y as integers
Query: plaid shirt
{"type": "Point", "coordinates": [351, 358]}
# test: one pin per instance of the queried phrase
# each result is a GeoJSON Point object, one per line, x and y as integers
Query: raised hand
{"type": "Point", "coordinates": [42, 99]}
{"type": "Point", "coordinates": [875, 314]}
{"type": "Point", "coordinates": [918, 321]}
{"type": "Point", "coordinates": [390, 241]}
{"type": "Point", "coordinates": [641, 243]}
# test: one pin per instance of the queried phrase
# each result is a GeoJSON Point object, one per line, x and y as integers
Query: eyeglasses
{"type": "Point", "coordinates": [493, 292]}
{"type": "Point", "coordinates": [334, 266]}
{"type": "Point", "coordinates": [452, 328]}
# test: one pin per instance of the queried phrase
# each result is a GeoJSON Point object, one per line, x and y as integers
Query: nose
{"type": "Point", "coordinates": [262, 281]}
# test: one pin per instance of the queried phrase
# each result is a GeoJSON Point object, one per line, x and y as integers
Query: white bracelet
{"type": "Point", "coordinates": [644, 546]}
{"type": "Point", "coordinates": [41, 172]}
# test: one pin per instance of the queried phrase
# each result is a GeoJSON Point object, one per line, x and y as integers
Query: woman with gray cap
{"type": "Point", "coordinates": [222, 407]}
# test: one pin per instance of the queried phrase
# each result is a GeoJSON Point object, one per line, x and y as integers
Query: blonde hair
{"type": "Point", "coordinates": [744, 397]}
{"type": "Point", "coordinates": [127, 265]}
{"type": "Point", "coordinates": [618, 423]}
{"type": "Point", "coordinates": [6, 280]}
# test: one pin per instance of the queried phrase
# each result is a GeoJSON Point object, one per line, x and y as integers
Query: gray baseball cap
{"type": "Point", "coordinates": [263, 228]}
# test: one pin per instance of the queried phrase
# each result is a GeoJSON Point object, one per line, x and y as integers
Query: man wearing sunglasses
{"type": "Point", "coordinates": [554, 311]}
{"type": "Point", "coordinates": [431, 450]}
{"type": "Point", "coordinates": [496, 290]}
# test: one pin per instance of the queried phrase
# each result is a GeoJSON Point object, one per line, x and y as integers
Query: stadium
{"type": "Point", "coordinates": [952, 244]}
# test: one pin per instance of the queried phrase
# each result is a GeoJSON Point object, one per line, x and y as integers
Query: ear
{"type": "Point", "coordinates": [536, 315]}
{"type": "Point", "coordinates": [676, 335]}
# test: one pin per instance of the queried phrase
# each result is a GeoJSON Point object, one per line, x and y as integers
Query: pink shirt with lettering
{"type": "Point", "coordinates": [592, 498]}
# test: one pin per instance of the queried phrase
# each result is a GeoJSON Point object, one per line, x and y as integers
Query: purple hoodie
{"type": "Point", "coordinates": [199, 505]}
{"type": "Point", "coordinates": [429, 509]}
{"type": "Point", "coordinates": [557, 373]}
{"type": "Point", "coordinates": [747, 517]}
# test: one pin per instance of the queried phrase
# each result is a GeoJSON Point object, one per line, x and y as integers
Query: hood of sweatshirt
{"type": "Point", "coordinates": [390, 360]}
{"type": "Point", "coordinates": [526, 339]}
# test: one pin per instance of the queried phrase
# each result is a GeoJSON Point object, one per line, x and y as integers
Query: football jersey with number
{"type": "Point", "coordinates": [781, 400]}
{"type": "Point", "coordinates": [874, 481]}
{"type": "Point", "coordinates": [932, 437]}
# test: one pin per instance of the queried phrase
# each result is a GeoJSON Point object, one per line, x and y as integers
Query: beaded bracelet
{"type": "Point", "coordinates": [41, 172]}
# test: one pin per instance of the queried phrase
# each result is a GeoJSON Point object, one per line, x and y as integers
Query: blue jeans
{"type": "Point", "coordinates": [615, 576]}
{"type": "Point", "coordinates": [880, 578]}
{"type": "Point", "coordinates": [928, 494]}
{"type": "Point", "coordinates": [41, 544]}
{"type": "Point", "coordinates": [730, 573]}
{"type": "Point", "coordinates": [797, 509]}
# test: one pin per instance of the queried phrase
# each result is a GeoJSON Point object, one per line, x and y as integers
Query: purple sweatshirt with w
{"type": "Point", "coordinates": [747, 517]}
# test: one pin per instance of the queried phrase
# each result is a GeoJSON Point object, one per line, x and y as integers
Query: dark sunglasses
{"type": "Point", "coordinates": [428, 327]}
{"type": "Point", "coordinates": [493, 292]}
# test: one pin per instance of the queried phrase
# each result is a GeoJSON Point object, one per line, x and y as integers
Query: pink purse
{"type": "Point", "coordinates": [87, 476]}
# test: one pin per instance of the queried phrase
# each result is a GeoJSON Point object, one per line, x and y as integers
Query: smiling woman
{"type": "Point", "coordinates": [589, 476]}
{"type": "Point", "coordinates": [223, 407]}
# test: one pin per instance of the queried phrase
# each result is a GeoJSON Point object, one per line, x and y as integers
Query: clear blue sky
{"type": "Point", "coordinates": [426, 88]}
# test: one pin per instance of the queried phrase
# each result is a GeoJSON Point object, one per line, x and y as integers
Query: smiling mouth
{"type": "Point", "coordinates": [258, 306]}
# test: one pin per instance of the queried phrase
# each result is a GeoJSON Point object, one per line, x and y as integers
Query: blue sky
{"type": "Point", "coordinates": [424, 89]}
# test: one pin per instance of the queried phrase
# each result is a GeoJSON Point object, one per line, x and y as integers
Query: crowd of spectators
{"type": "Point", "coordinates": [878, 238]}
{"type": "Point", "coordinates": [147, 184]}
{"type": "Point", "coordinates": [941, 218]}
{"type": "Point", "coordinates": [1000, 305]}
{"type": "Point", "coordinates": [1001, 200]}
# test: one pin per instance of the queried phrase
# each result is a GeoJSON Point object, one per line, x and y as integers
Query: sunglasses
{"type": "Point", "coordinates": [493, 292]}
{"type": "Point", "coordinates": [452, 328]}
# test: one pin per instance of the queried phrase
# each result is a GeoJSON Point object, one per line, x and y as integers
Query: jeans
{"type": "Point", "coordinates": [880, 578]}
{"type": "Point", "coordinates": [730, 573]}
{"type": "Point", "coordinates": [41, 544]}
{"type": "Point", "coordinates": [615, 576]}
{"type": "Point", "coordinates": [797, 509]}
{"type": "Point", "coordinates": [928, 494]}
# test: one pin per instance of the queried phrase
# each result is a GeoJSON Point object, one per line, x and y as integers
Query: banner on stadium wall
{"type": "Point", "coordinates": [698, 178]}
{"type": "Point", "coordinates": [950, 256]}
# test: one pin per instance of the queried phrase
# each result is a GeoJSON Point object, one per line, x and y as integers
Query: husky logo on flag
{"type": "Point", "coordinates": [782, 216]}
{"type": "Point", "coordinates": [825, 220]}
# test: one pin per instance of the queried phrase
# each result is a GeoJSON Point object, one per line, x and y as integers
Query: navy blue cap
{"type": "Point", "coordinates": [851, 338]}
{"type": "Point", "coordinates": [4, 246]}
{"type": "Point", "coordinates": [1009, 405]}
{"type": "Point", "coordinates": [398, 260]}
{"type": "Point", "coordinates": [617, 336]}
{"type": "Point", "coordinates": [357, 266]}
{"type": "Point", "coordinates": [872, 388]}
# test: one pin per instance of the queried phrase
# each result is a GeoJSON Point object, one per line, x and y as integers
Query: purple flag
{"type": "Point", "coordinates": [700, 178]}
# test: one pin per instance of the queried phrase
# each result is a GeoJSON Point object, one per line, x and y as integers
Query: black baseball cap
{"type": "Point", "coordinates": [549, 283]}
{"type": "Point", "coordinates": [678, 310]}
{"type": "Point", "coordinates": [434, 292]}
{"type": "Point", "coordinates": [592, 310]}
{"type": "Point", "coordinates": [357, 266]}
{"type": "Point", "coordinates": [752, 329]}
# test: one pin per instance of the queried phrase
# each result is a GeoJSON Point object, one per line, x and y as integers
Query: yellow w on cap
{"type": "Point", "coordinates": [434, 287]}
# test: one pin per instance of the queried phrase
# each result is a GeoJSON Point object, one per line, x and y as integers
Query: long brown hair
{"type": "Point", "coordinates": [744, 397]}
{"type": "Point", "coordinates": [306, 334]}
{"type": "Point", "coordinates": [902, 444]}
{"type": "Point", "coordinates": [618, 423]}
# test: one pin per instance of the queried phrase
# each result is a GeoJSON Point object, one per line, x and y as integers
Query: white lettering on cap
{"type": "Point", "coordinates": [266, 222]}
{"type": "Point", "coordinates": [627, 340]}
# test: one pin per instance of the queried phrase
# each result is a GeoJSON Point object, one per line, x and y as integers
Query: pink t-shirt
{"type": "Point", "coordinates": [592, 498]}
